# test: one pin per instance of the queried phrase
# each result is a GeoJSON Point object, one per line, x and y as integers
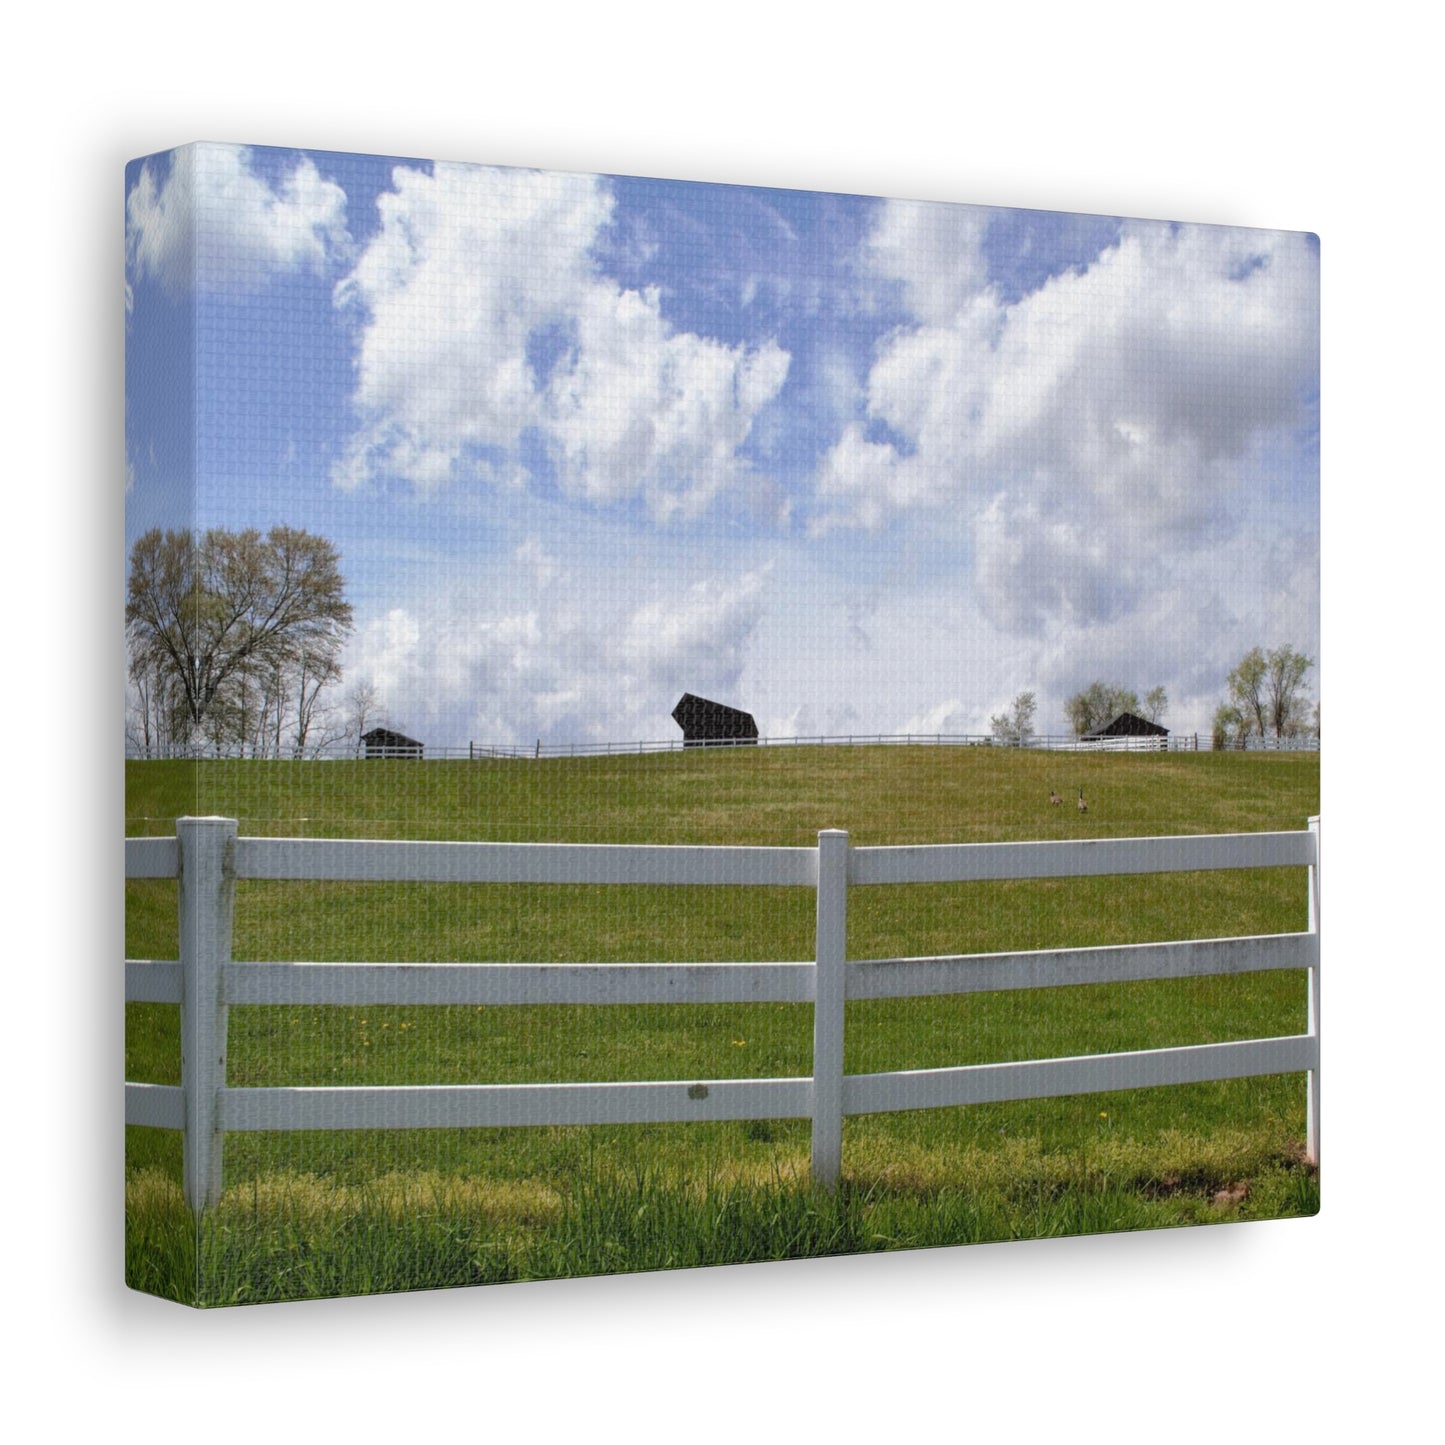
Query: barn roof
{"type": "Point", "coordinates": [1127, 725]}
{"type": "Point", "coordinates": [386, 738]}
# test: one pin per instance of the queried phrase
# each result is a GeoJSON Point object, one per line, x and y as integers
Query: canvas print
{"type": "Point", "coordinates": [673, 724]}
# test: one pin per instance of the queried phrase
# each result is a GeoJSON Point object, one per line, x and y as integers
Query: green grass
{"type": "Point", "coordinates": [1138, 1159]}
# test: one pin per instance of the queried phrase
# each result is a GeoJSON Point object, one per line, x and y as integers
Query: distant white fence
{"type": "Point", "coordinates": [476, 752]}
{"type": "Point", "coordinates": [207, 857]}
{"type": "Point", "coordinates": [1267, 744]}
{"type": "Point", "coordinates": [1070, 743]}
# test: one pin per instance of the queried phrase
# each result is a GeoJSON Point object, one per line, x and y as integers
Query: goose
{"type": "Point", "coordinates": [1054, 797]}
{"type": "Point", "coordinates": [1083, 806]}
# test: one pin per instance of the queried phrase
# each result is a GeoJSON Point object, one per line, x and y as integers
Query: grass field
{"type": "Point", "coordinates": [353, 1212]}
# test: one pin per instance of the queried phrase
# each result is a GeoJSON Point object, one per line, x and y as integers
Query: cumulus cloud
{"type": "Point", "coordinates": [934, 250]}
{"type": "Point", "coordinates": [486, 324]}
{"type": "Point", "coordinates": [949, 717]}
{"type": "Point", "coordinates": [533, 555]}
{"type": "Point", "coordinates": [795, 724]}
{"type": "Point", "coordinates": [215, 224]}
{"type": "Point", "coordinates": [450, 670]}
{"type": "Point", "coordinates": [1096, 429]}
{"type": "Point", "coordinates": [692, 642]}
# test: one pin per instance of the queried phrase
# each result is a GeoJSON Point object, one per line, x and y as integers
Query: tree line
{"type": "Point", "coordinates": [233, 641]}
{"type": "Point", "coordinates": [1266, 697]}
{"type": "Point", "coordinates": [1094, 707]}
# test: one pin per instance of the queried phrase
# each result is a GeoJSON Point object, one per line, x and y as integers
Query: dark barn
{"type": "Point", "coordinates": [1127, 725]}
{"type": "Point", "coordinates": [384, 743]}
{"type": "Point", "coordinates": [708, 724]}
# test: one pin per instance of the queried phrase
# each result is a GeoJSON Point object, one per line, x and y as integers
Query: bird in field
{"type": "Point", "coordinates": [1054, 797]}
{"type": "Point", "coordinates": [1083, 806]}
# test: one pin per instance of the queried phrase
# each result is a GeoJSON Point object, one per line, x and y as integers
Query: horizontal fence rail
{"type": "Point", "coordinates": [151, 858]}
{"type": "Point", "coordinates": [208, 857]}
{"type": "Point", "coordinates": [487, 1106]}
{"type": "Point", "coordinates": [1133, 963]}
{"type": "Point", "coordinates": [1092, 1074]}
{"type": "Point", "coordinates": [345, 860]}
{"type": "Point", "coordinates": [1088, 857]}
{"type": "Point", "coordinates": [485, 984]}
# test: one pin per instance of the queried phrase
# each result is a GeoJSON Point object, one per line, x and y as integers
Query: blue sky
{"type": "Point", "coordinates": [587, 442]}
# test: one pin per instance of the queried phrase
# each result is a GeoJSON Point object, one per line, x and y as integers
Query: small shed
{"type": "Point", "coordinates": [707, 724]}
{"type": "Point", "coordinates": [384, 743]}
{"type": "Point", "coordinates": [1129, 726]}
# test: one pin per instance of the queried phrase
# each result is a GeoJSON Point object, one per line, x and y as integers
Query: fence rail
{"type": "Point", "coordinates": [486, 752]}
{"type": "Point", "coordinates": [208, 857]}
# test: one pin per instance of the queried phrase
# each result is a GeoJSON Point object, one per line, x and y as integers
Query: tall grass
{"type": "Point", "coordinates": [299, 1237]}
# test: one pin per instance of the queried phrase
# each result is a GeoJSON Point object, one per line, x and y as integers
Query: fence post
{"type": "Point", "coordinates": [1312, 1086]}
{"type": "Point", "coordinates": [830, 978]}
{"type": "Point", "coordinates": [207, 892]}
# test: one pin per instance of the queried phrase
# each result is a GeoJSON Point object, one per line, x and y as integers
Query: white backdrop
{"type": "Point", "coordinates": [1230, 113]}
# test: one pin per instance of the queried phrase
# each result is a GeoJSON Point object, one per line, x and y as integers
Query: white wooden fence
{"type": "Point", "coordinates": [487, 752]}
{"type": "Point", "coordinates": [207, 857]}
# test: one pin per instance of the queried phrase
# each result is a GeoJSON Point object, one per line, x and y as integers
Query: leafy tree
{"type": "Point", "coordinates": [1016, 726]}
{"type": "Point", "coordinates": [233, 636]}
{"type": "Point", "coordinates": [363, 711]}
{"type": "Point", "coordinates": [1228, 724]}
{"type": "Point", "coordinates": [155, 713]}
{"type": "Point", "coordinates": [1099, 704]}
{"type": "Point", "coordinates": [1246, 691]}
{"type": "Point", "coordinates": [1285, 671]}
{"type": "Point", "coordinates": [1156, 704]}
{"type": "Point", "coordinates": [1267, 689]}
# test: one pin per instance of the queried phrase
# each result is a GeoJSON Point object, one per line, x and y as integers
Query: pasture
{"type": "Point", "coordinates": [359, 1211]}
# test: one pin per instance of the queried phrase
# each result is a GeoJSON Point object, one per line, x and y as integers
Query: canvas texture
{"type": "Point", "coordinates": [673, 724]}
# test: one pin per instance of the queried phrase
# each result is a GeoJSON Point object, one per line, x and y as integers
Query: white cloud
{"type": "Point", "coordinates": [693, 642]}
{"type": "Point", "coordinates": [448, 670]}
{"type": "Point", "coordinates": [1097, 430]}
{"type": "Point", "coordinates": [533, 555]}
{"type": "Point", "coordinates": [213, 223]}
{"type": "Point", "coordinates": [484, 316]}
{"type": "Point", "coordinates": [865, 478]}
{"type": "Point", "coordinates": [796, 724]}
{"type": "Point", "coordinates": [950, 717]}
{"type": "Point", "coordinates": [1112, 476]}
{"type": "Point", "coordinates": [935, 250]}
{"type": "Point", "coordinates": [389, 647]}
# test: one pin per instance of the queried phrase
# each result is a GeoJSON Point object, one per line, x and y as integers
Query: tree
{"type": "Point", "coordinates": [1016, 726]}
{"type": "Point", "coordinates": [1284, 690]}
{"type": "Point", "coordinates": [1246, 691]}
{"type": "Point", "coordinates": [155, 715]}
{"type": "Point", "coordinates": [1228, 723]}
{"type": "Point", "coordinates": [231, 633]}
{"type": "Point", "coordinates": [1099, 704]}
{"type": "Point", "coordinates": [362, 712]}
{"type": "Point", "coordinates": [1267, 689]}
{"type": "Point", "coordinates": [313, 726]}
{"type": "Point", "coordinates": [1156, 704]}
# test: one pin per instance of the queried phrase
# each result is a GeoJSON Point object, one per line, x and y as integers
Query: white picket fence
{"type": "Point", "coordinates": [208, 856]}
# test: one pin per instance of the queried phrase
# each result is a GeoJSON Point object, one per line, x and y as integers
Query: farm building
{"type": "Point", "coordinates": [712, 724]}
{"type": "Point", "coordinates": [384, 743]}
{"type": "Point", "coordinates": [1127, 725]}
